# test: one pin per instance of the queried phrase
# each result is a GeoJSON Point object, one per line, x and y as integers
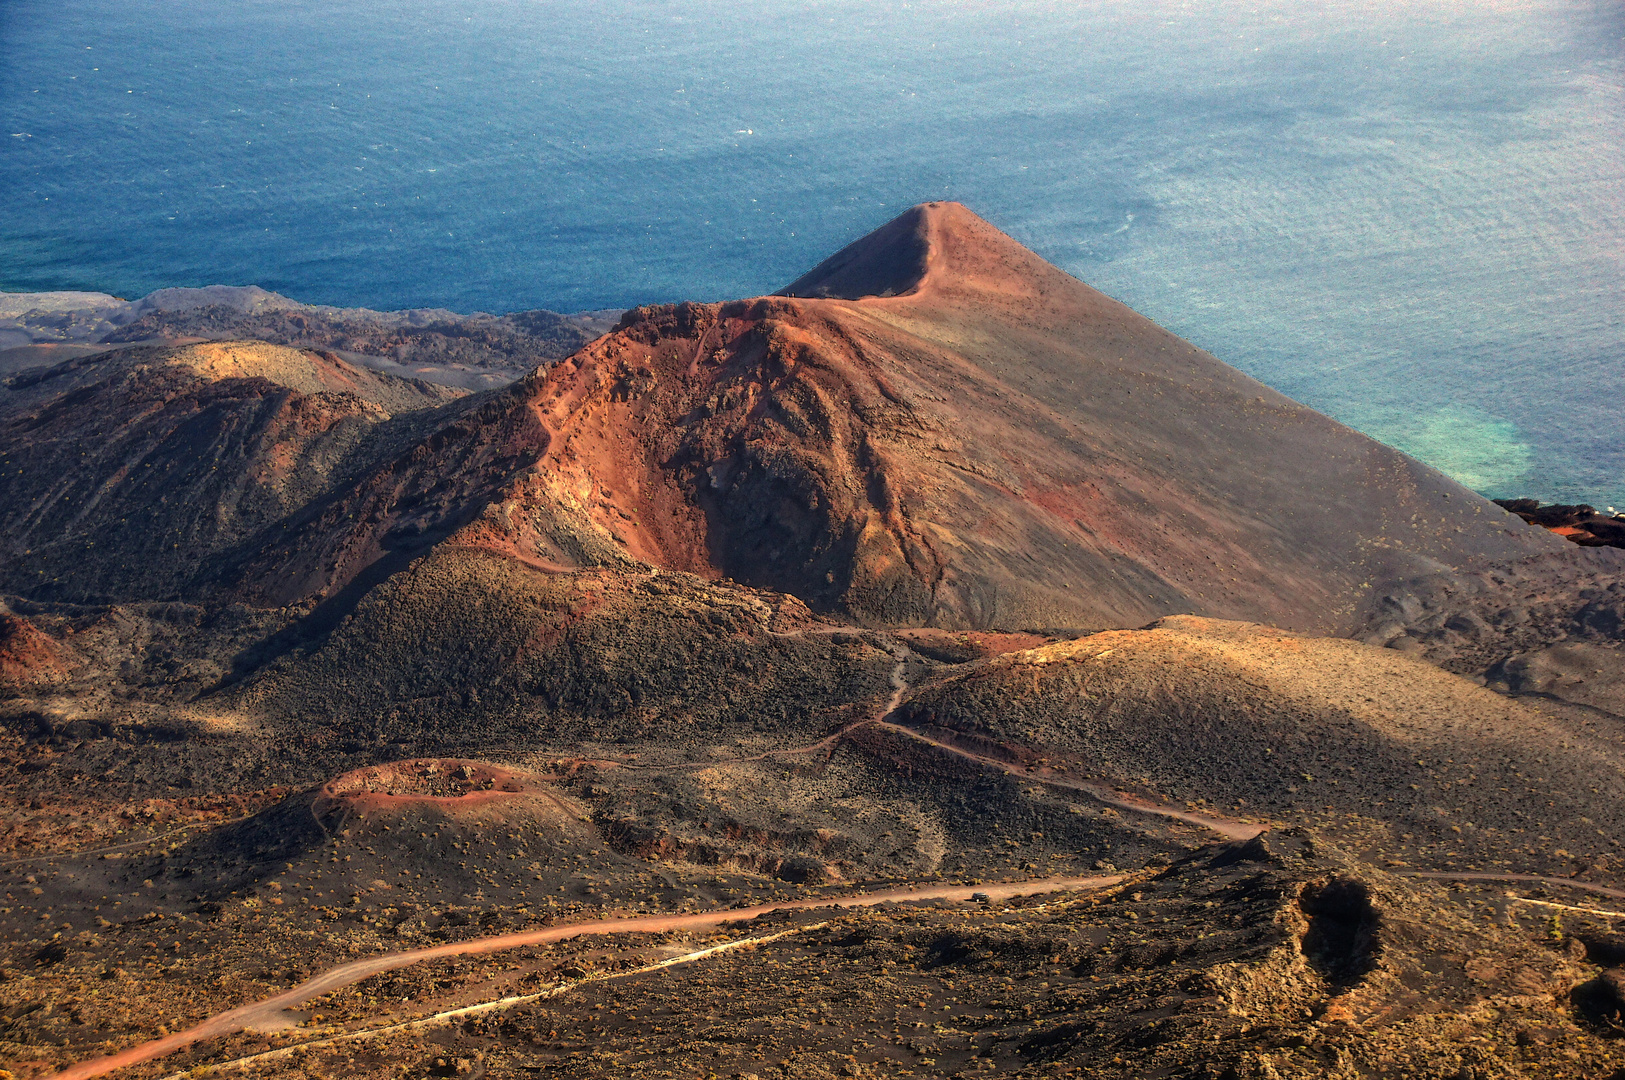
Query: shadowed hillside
{"type": "Point", "coordinates": [131, 474]}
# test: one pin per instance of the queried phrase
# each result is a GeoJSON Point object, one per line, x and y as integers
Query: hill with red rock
{"type": "Point", "coordinates": [30, 659]}
{"type": "Point", "coordinates": [131, 474]}
{"type": "Point", "coordinates": [994, 444]}
{"type": "Point", "coordinates": [936, 568]}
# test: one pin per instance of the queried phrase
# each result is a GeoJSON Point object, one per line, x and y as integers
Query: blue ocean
{"type": "Point", "coordinates": [1405, 214]}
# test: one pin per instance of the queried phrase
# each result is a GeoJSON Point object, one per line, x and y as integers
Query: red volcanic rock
{"type": "Point", "coordinates": [938, 429]}
{"type": "Point", "coordinates": [1579, 524]}
{"type": "Point", "coordinates": [28, 656]}
{"type": "Point", "coordinates": [443, 782]}
{"type": "Point", "coordinates": [977, 440]}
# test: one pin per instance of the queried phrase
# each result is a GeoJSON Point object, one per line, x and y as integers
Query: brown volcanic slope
{"type": "Point", "coordinates": [1290, 728]}
{"type": "Point", "coordinates": [1131, 465]}
{"type": "Point", "coordinates": [996, 445]}
{"type": "Point", "coordinates": [207, 801]}
{"type": "Point", "coordinates": [125, 474]}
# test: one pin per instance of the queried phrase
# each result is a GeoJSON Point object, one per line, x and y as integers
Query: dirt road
{"type": "Point", "coordinates": [265, 1012]}
{"type": "Point", "coordinates": [1225, 827]}
{"type": "Point", "coordinates": [1526, 879]}
{"type": "Point", "coordinates": [1101, 792]}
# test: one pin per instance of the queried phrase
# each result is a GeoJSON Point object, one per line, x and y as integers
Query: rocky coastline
{"type": "Point", "coordinates": [1580, 524]}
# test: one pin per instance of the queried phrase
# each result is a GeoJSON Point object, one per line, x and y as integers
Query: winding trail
{"type": "Point", "coordinates": [264, 1012]}
{"type": "Point", "coordinates": [448, 1016]}
{"type": "Point", "coordinates": [85, 852]}
{"type": "Point", "coordinates": [1537, 879]}
{"type": "Point", "coordinates": [1101, 792]}
{"type": "Point", "coordinates": [1225, 827]}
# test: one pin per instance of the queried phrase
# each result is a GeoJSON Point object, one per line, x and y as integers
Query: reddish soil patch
{"type": "Point", "coordinates": [1580, 523]}
{"type": "Point", "coordinates": [443, 781]}
{"type": "Point", "coordinates": [28, 656]}
{"type": "Point", "coordinates": [959, 647]}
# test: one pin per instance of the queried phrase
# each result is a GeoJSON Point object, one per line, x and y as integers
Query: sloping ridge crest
{"type": "Point", "coordinates": [934, 426]}
{"type": "Point", "coordinates": [891, 261]}
{"type": "Point", "coordinates": [992, 444]}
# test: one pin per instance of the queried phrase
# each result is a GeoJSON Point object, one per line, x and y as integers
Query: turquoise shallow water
{"type": "Point", "coordinates": [1407, 215]}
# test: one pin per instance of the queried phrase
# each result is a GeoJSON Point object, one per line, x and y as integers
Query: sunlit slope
{"type": "Point", "coordinates": [1288, 728]}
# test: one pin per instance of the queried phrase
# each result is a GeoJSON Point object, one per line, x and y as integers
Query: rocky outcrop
{"type": "Point", "coordinates": [1580, 524]}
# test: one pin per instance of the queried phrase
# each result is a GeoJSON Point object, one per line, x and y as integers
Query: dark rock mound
{"type": "Point", "coordinates": [464, 650]}
{"type": "Point", "coordinates": [1342, 941]}
{"type": "Point", "coordinates": [240, 854]}
{"type": "Point", "coordinates": [1602, 1000]}
{"type": "Point", "coordinates": [1579, 523]}
{"type": "Point", "coordinates": [890, 261]}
